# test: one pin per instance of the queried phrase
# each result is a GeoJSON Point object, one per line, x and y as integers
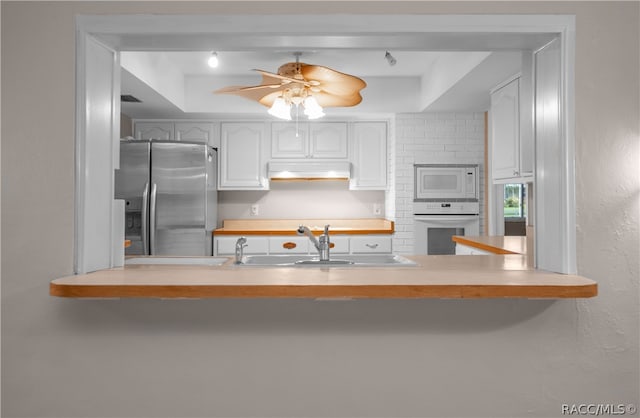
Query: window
{"type": "Point", "coordinates": [515, 201]}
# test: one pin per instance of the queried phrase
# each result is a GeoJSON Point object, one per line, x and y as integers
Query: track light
{"type": "Point", "coordinates": [213, 60]}
{"type": "Point", "coordinates": [390, 59]}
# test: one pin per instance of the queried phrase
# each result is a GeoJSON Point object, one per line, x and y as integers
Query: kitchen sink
{"type": "Point", "coordinates": [347, 260]}
{"type": "Point", "coordinates": [192, 261]}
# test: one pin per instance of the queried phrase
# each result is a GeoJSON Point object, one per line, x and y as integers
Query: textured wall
{"type": "Point", "coordinates": [159, 358]}
{"type": "Point", "coordinates": [432, 138]}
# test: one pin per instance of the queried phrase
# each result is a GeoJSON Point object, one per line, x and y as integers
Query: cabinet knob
{"type": "Point", "coordinates": [516, 173]}
{"type": "Point", "coordinates": [289, 245]}
{"type": "Point", "coordinates": [372, 246]}
{"type": "Point", "coordinates": [331, 245]}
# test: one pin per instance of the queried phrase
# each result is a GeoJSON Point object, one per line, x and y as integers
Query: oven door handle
{"type": "Point", "coordinates": [438, 218]}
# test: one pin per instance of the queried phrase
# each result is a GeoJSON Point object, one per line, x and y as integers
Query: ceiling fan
{"type": "Point", "coordinates": [297, 83]}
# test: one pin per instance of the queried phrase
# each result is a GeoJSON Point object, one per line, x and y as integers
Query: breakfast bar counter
{"type": "Point", "coordinates": [503, 276]}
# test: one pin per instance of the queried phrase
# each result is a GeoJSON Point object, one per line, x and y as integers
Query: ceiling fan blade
{"type": "Point", "coordinates": [266, 76]}
{"type": "Point", "coordinates": [330, 100]}
{"type": "Point", "coordinates": [252, 92]}
{"type": "Point", "coordinates": [332, 81]}
{"type": "Point", "coordinates": [233, 89]}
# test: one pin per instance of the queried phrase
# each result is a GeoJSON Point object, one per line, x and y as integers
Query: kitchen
{"type": "Point", "coordinates": [287, 357]}
{"type": "Point", "coordinates": [245, 142]}
{"type": "Point", "coordinates": [449, 130]}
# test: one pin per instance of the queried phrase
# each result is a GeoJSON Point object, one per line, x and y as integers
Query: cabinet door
{"type": "Point", "coordinates": [328, 140]}
{"type": "Point", "coordinates": [505, 132]}
{"type": "Point", "coordinates": [154, 130]}
{"type": "Point", "coordinates": [369, 156]}
{"type": "Point", "coordinates": [194, 132]}
{"type": "Point", "coordinates": [241, 162]}
{"type": "Point", "coordinates": [289, 245]}
{"type": "Point", "coordinates": [289, 140]}
{"type": "Point", "coordinates": [226, 245]}
{"type": "Point", "coordinates": [370, 244]}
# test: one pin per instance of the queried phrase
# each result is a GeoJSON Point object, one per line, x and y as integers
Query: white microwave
{"type": "Point", "coordinates": [450, 182]}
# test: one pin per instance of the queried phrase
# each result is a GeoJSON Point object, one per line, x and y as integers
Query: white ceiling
{"type": "Point", "coordinates": [428, 57]}
{"type": "Point", "coordinates": [363, 63]}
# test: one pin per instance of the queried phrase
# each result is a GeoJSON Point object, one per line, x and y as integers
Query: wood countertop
{"type": "Point", "coordinates": [473, 276]}
{"type": "Point", "coordinates": [495, 244]}
{"type": "Point", "coordinates": [289, 226]}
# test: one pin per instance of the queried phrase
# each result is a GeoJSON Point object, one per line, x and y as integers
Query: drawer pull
{"type": "Point", "coordinates": [331, 245]}
{"type": "Point", "coordinates": [372, 246]}
{"type": "Point", "coordinates": [289, 245]}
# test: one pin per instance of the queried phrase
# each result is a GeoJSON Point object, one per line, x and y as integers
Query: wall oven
{"type": "Point", "coordinates": [445, 204]}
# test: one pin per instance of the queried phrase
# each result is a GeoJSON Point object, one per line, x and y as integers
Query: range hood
{"type": "Point", "coordinates": [309, 170]}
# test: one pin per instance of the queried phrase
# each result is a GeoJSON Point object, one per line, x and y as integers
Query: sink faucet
{"type": "Point", "coordinates": [240, 244]}
{"type": "Point", "coordinates": [322, 245]}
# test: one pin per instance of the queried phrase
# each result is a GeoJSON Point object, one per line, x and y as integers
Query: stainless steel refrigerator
{"type": "Point", "coordinates": [170, 197]}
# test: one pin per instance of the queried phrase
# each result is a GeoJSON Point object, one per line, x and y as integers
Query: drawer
{"type": "Point", "coordinates": [227, 245]}
{"type": "Point", "coordinates": [371, 244]}
{"type": "Point", "coordinates": [339, 245]}
{"type": "Point", "coordinates": [289, 245]}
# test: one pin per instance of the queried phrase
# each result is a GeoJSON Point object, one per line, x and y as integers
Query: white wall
{"type": "Point", "coordinates": [301, 200]}
{"type": "Point", "coordinates": [432, 138]}
{"type": "Point", "coordinates": [183, 358]}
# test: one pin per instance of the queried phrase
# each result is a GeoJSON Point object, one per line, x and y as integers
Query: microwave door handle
{"type": "Point", "coordinates": [446, 218]}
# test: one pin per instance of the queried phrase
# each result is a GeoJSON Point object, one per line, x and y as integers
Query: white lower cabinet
{"type": "Point", "coordinates": [340, 245]}
{"type": "Point", "coordinates": [467, 250]}
{"type": "Point", "coordinates": [227, 245]}
{"type": "Point", "coordinates": [287, 244]}
{"type": "Point", "coordinates": [363, 244]}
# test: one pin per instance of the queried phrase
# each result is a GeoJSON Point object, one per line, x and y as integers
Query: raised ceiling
{"type": "Point", "coordinates": [441, 66]}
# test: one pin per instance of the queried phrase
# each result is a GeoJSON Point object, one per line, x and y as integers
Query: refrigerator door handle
{"type": "Point", "coordinates": [152, 219]}
{"type": "Point", "coordinates": [145, 219]}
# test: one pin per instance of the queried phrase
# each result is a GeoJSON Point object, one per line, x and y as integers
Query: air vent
{"type": "Point", "coordinates": [129, 98]}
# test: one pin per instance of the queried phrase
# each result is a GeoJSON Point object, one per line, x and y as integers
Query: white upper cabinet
{"type": "Point", "coordinates": [368, 156]}
{"type": "Point", "coordinates": [326, 140]}
{"type": "Point", "coordinates": [154, 130]}
{"type": "Point", "coordinates": [172, 130]}
{"type": "Point", "coordinates": [195, 132]}
{"type": "Point", "coordinates": [242, 165]}
{"type": "Point", "coordinates": [511, 139]}
{"type": "Point", "coordinates": [289, 140]}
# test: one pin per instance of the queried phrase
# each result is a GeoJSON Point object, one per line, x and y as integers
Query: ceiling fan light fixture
{"type": "Point", "coordinates": [312, 109]}
{"type": "Point", "coordinates": [213, 60]}
{"type": "Point", "coordinates": [280, 109]}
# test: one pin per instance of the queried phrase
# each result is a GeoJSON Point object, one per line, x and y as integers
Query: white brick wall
{"type": "Point", "coordinates": [431, 138]}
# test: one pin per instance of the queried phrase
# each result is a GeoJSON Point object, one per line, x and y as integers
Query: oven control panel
{"type": "Point", "coordinates": [454, 208]}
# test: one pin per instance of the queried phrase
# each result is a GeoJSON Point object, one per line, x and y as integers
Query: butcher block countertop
{"type": "Point", "coordinates": [473, 276]}
{"type": "Point", "coordinates": [495, 244]}
{"type": "Point", "coordinates": [289, 226]}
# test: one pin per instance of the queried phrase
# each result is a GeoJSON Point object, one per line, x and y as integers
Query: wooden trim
{"type": "Point", "coordinates": [310, 179]}
{"type": "Point", "coordinates": [323, 291]}
{"type": "Point", "coordinates": [286, 232]}
{"type": "Point", "coordinates": [480, 245]}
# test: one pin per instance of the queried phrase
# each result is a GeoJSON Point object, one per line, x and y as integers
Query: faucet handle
{"type": "Point", "coordinates": [326, 229]}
